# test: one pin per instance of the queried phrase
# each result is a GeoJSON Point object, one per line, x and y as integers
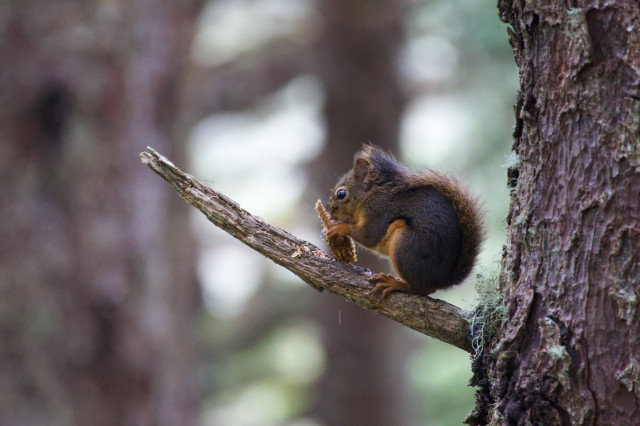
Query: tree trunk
{"type": "Point", "coordinates": [99, 296]}
{"type": "Point", "coordinates": [569, 352]}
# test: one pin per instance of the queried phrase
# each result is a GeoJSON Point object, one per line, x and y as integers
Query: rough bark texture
{"type": "Point", "coordinates": [570, 350]}
{"type": "Point", "coordinates": [98, 294]}
{"type": "Point", "coordinates": [429, 316]}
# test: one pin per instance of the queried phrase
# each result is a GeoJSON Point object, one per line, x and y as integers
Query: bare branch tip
{"type": "Point", "coordinates": [151, 155]}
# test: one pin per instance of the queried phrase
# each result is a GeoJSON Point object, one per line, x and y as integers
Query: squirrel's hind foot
{"type": "Point", "coordinates": [387, 284]}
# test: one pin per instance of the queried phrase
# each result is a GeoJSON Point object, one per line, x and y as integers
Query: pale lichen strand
{"type": "Point", "coordinates": [488, 315]}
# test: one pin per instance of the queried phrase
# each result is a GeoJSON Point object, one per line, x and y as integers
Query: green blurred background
{"type": "Point", "coordinates": [456, 70]}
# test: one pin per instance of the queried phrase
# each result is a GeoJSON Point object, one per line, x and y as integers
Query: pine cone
{"type": "Point", "coordinates": [346, 250]}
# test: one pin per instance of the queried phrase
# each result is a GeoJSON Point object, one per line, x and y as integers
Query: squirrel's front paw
{"type": "Point", "coordinates": [337, 232]}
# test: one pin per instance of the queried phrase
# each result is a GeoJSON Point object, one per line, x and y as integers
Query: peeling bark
{"type": "Point", "coordinates": [570, 349]}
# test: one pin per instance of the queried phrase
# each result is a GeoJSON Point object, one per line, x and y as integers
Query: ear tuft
{"type": "Point", "coordinates": [362, 169]}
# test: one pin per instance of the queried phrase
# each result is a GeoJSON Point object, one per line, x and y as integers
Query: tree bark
{"type": "Point", "coordinates": [98, 300]}
{"type": "Point", "coordinates": [569, 352]}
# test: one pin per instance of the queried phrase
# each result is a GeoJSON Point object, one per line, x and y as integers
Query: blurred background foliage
{"type": "Point", "coordinates": [102, 316]}
{"type": "Point", "coordinates": [456, 70]}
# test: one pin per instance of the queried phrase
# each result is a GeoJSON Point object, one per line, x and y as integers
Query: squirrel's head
{"type": "Point", "coordinates": [345, 198]}
{"type": "Point", "coordinates": [372, 167]}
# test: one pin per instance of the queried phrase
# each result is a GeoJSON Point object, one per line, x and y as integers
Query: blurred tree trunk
{"type": "Point", "coordinates": [99, 296]}
{"type": "Point", "coordinates": [364, 103]}
{"type": "Point", "coordinates": [569, 352]}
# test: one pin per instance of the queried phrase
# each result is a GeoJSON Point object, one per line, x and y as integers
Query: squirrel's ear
{"type": "Point", "coordinates": [362, 169]}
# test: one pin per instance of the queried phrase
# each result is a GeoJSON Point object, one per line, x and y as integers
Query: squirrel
{"type": "Point", "coordinates": [428, 223]}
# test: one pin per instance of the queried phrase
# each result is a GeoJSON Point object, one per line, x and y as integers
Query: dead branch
{"type": "Point", "coordinates": [432, 317]}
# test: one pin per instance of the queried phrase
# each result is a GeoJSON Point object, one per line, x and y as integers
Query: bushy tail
{"type": "Point", "coordinates": [471, 216]}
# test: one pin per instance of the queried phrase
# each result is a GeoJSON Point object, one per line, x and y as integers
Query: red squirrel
{"type": "Point", "coordinates": [427, 222]}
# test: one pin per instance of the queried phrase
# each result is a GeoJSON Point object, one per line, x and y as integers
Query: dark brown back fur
{"type": "Point", "coordinates": [470, 215]}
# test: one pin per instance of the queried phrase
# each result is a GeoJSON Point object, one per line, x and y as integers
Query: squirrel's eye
{"type": "Point", "coordinates": [341, 194]}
